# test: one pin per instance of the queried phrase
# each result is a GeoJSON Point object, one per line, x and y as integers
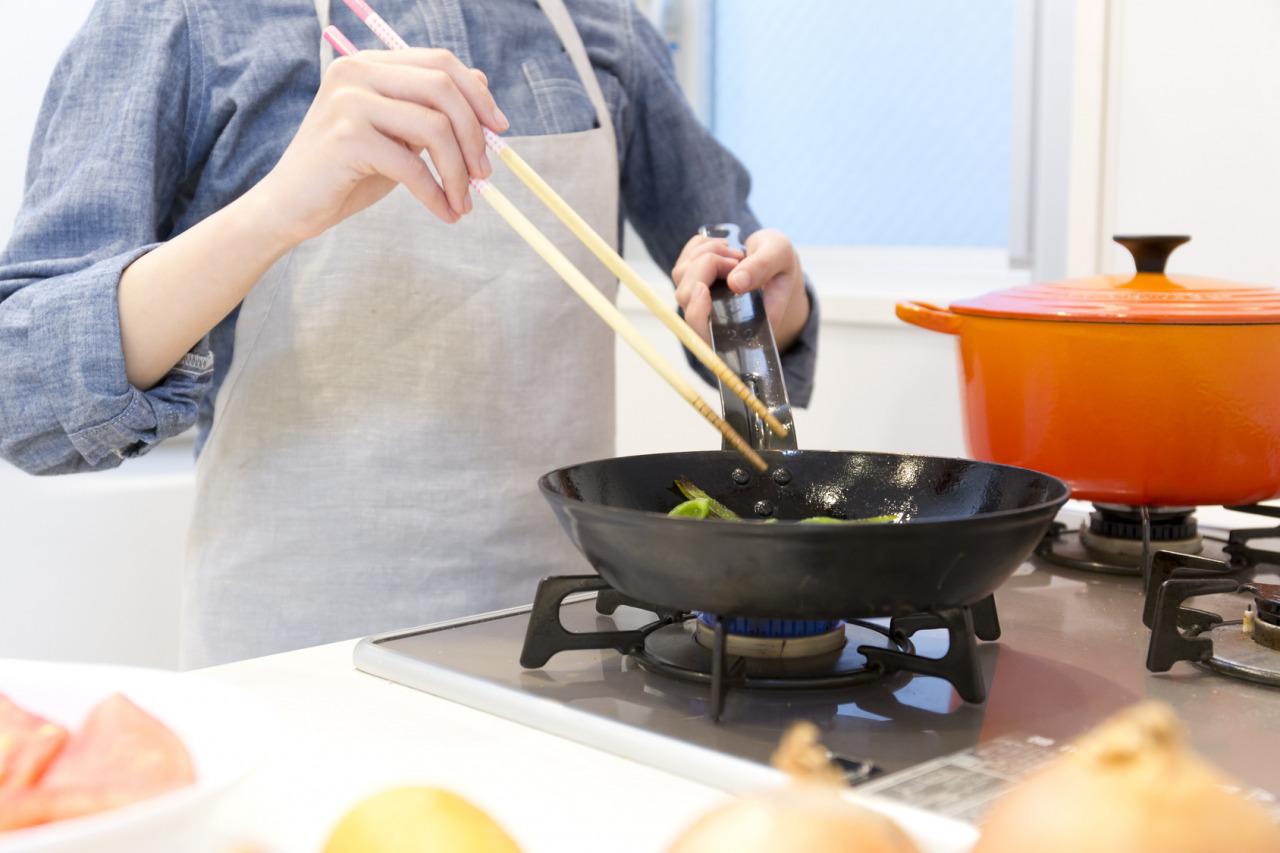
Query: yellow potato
{"type": "Point", "coordinates": [418, 820]}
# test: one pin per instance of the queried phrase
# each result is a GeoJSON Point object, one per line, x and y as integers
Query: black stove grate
{"type": "Point", "coordinates": [546, 636]}
{"type": "Point", "coordinates": [1182, 633]}
{"type": "Point", "coordinates": [1244, 554]}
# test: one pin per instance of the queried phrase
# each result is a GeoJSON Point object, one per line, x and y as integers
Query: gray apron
{"type": "Point", "coordinates": [398, 386]}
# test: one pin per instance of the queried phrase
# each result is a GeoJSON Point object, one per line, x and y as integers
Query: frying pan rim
{"type": "Point", "coordinates": [544, 485]}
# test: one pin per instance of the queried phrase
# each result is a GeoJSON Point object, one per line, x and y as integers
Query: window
{"type": "Point", "coordinates": [870, 123]}
{"type": "Point", "coordinates": [884, 136]}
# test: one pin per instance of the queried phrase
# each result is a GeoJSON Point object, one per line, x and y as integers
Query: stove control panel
{"type": "Point", "coordinates": [966, 784]}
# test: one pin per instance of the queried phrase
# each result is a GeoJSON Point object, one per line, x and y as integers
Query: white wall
{"type": "Point", "coordinates": [1186, 117]}
{"type": "Point", "coordinates": [90, 565]}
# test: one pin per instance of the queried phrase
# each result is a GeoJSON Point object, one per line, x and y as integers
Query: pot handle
{"type": "Point", "coordinates": [928, 316]}
{"type": "Point", "coordinates": [1151, 253]}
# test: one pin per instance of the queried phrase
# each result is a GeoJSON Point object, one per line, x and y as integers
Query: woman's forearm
{"type": "Point", "coordinates": [174, 295]}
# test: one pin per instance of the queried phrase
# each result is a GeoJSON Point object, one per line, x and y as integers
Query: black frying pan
{"type": "Point", "coordinates": [968, 525]}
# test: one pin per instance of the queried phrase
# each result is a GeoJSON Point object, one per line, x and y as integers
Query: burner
{"type": "Point", "coordinates": [1168, 523]}
{"type": "Point", "coordinates": [1110, 541]}
{"type": "Point", "coordinates": [853, 652]}
{"type": "Point", "coordinates": [1114, 533]}
{"type": "Point", "coordinates": [773, 638]}
{"type": "Point", "coordinates": [670, 651]}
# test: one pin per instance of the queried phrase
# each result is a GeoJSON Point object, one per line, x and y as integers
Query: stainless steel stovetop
{"type": "Point", "coordinates": [1072, 651]}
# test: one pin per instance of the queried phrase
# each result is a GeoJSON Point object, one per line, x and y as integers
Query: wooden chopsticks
{"type": "Point", "coordinates": [619, 267]}
{"type": "Point", "coordinates": [606, 254]}
{"type": "Point", "coordinates": [609, 312]}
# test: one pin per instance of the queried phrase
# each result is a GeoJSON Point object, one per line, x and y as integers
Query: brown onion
{"type": "Point", "coordinates": [810, 815]}
{"type": "Point", "coordinates": [1130, 785]}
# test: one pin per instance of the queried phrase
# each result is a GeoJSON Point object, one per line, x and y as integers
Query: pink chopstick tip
{"type": "Point", "coordinates": [478, 184]}
{"type": "Point", "coordinates": [493, 140]}
{"type": "Point", "coordinates": [374, 22]}
{"type": "Point", "coordinates": [362, 9]}
{"type": "Point", "coordinates": [340, 42]}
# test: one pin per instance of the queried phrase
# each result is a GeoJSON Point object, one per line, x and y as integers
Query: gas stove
{"type": "Point", "coordinates": [929, 710]}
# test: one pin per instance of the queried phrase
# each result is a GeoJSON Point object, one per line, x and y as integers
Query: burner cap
{"type": "Point", "coordinates": [778, 647]}
{"type": "Point", "coordinates": [1126, 523]}
{"type": "Point", "coordinates": [773, 638]}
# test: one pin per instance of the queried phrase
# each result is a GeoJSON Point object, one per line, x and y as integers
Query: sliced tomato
{"type": "Point", "coordinates": [122, 746]}
{"type": "Point", "coordinates": [28, 744]}
{"type": "Point", "coordinates": [19, 809]}
{"type": "Point", "coordinates": [120, 755]}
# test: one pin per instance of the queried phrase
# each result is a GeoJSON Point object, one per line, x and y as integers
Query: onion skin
{"type": "Point", "coordinates": [1131, 785]}
{"type": "Point", "coordinates": [809, 815]}
{"type": "Point", "coordinates": [806, 817]}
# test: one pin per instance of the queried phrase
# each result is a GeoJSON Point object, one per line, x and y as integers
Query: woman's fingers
{"type": "Point", "coordinates": [436, 90]}
{"type": "Point", "coordinates": [703, 262]}
{"type": "Point", "coordinates": [472, 86]}
{"type": "Point", "coordinates": [701, 243]}
{"type": "Point", "coordinates": [430, 130]}
{"type": "Point", "coordinates": [390, 158]}
{"type": "Point", "coordinates": [697, 313]}
{"type": "Point", "coordinates": [699, 247]}
{"type": "Point", "coordinates": [448, 160]}
{"type": "Point", "coordinates": [421, 128]}
{"type": "Point", "coordinates": [771, 255]}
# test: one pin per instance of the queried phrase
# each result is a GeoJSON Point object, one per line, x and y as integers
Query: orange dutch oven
{"type": "Point", "coordinates": [1145, 389]}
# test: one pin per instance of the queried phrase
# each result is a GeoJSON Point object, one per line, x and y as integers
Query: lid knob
{"type": "Point", "coordinates": [1151, 253]}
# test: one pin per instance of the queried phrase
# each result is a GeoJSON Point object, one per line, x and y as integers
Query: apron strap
{"type": "Point", "coordinates": [572, 40]}
{"type": "Point", "coordinates": [326, 49]}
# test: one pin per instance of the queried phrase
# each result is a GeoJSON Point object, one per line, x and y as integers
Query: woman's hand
{"type": "Point", "coordinates": [374, 115]}
{"type": "Point", "coordinates": [770, 265]}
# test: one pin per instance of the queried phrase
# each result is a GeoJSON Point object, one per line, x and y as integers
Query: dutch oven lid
{"type": "Point", "coordinates": [1148, 296]}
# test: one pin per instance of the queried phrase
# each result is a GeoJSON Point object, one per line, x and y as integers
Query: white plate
{"type": "Point", "coordinates": [225, 731]}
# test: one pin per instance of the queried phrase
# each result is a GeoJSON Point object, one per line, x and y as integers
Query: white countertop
{"type": "Point", "coordinates": [348, 734]}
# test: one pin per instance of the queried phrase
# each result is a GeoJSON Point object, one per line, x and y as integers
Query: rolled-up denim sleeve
{"type": "Point", "coordinates": [105, 172]}
{"type": "Point", "coordinates": [65, 402]}
{"type": "Point", "coordinates": [676, 177]}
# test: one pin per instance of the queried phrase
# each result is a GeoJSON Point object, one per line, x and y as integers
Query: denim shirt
{"type": "Point", "coordinates": [161, 112]}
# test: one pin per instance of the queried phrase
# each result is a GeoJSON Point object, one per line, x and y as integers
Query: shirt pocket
{"type": "Point", "coordinates": [562, 102]}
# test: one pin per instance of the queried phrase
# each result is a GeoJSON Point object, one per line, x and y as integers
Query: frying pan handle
{"type": "Point", "coordinates": [741, 335]}
{"type": "Point", "coordinates": [928, 316]}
